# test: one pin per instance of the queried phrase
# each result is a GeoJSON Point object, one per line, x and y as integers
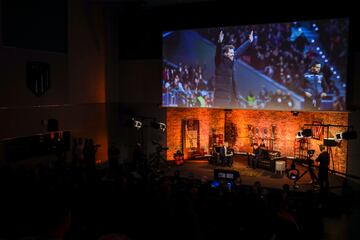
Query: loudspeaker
{"type": "Point", "coordinates": [53, 125]}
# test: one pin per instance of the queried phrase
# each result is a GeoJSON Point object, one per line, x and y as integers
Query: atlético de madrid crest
{"type": "Point", "coordinates": [38, 77]}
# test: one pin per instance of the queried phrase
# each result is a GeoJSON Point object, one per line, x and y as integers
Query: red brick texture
{"type": "Point", "coordinates": [286, 127]}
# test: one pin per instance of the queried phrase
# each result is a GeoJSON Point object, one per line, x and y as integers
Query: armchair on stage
{"type": "Point", "coordinates": [263, 158]}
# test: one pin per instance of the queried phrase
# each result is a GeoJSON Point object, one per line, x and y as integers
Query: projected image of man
{"type": "Point", "coordinates": [225, 86]}
{"type": "Point", "coordinates": [314, 87]}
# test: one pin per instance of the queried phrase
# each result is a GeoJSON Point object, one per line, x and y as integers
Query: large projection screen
{"type": "Point", "coordinates": [279, 66]}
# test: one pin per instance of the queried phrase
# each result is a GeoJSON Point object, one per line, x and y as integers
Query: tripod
{"type": "Point", "coordinates": [309, 170]}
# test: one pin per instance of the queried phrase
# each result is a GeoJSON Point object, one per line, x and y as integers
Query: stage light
{"type": "Point", "coordinates": [320, 52]}
{"type": "Point", "coordinates": [338, 136]}
{"type": "Point", "coordinates": [312, 40]}
{"type": "Point", "coordinates": [304, 133]}
{"type": "Point", "coordinates": [338, 77]}
{"type": "Point", "coordinates": [318, 49]}
{"type": "Point", "coordinates": [349, 135]}
{"type": "Point", "coordinates": [331, 68]}
{"type": "Point", "coordinates": [299, 134]}
{"type": "Point", "coordinates": [314, 25]}
{"type": "Point", "coordinates": [300, 29]}
{"type": "Point", "coordinates": [136, 124]}
{"type": "Point", "coordinates": [162, 127]}
{"type": "Point", "coordinates": [334, 72]}
{"type": "Point", "coordinates": [307, 132]}
{"type": "Point", "coordinates": [316, 29]}
{"type": "Point", "coordinates": [323, 56]}
{"type": "Point", "coordinates": [158, 125]}
{"type": "Point", "coordinates": [326, 60]}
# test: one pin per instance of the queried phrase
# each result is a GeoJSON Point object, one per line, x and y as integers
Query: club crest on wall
{"type": "Point", "coordinates": [38, 77]}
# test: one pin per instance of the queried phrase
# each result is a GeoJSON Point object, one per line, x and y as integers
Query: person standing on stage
{"type": "Point", "coordinates": [323, 159]}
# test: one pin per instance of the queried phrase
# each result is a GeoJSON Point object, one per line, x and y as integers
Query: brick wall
{"type": "Point", "coordinates": [286, 126]}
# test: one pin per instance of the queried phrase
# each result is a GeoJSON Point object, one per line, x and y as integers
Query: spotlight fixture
{"type": "Point", "coordinates": [338, 136]}
{"type": "Point", "coordinates": [349, 135]}
{"type": "Point", "coordinates": [136, 124]}
{"type": "Point", "coordinates": [346, 135]}
{"type": "Point", "coordinates": [299, 134]}
{"type": "Point", "coordinates": [158, 125]}
{"type": "Point", "coordinates": [304, 133]}
{"type": "Point", "coordinates": [162, 126]}
{"type": "Point", "coordinates": [307, 132]}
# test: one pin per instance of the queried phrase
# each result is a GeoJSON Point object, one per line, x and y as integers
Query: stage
{"type": "Point", "coordinates": [201, 169]}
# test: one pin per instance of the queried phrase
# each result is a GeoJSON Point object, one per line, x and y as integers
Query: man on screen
{"type": "Point", "coordinates": [225, 85]}
{"type": "Point", "coordinates": [314, 87]}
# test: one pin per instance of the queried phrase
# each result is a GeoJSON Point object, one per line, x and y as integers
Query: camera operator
{"type": "Point", "coordinates": [309, 162]}
{"type": "Point", "coordinates": [323, 159]}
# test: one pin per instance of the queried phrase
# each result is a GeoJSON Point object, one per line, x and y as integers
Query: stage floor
{"type": "Point", "coordinates": [202, 169]}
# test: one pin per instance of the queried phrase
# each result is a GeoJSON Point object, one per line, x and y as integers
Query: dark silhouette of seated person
{"type": "Point", "coordinates": [215, 158]}
{"type": "Point", "coordinates": [259, 153]}
{"type": "Point", "coordinates": [254, 158]}
{"type": "Point", "coordinates": [226, 155]}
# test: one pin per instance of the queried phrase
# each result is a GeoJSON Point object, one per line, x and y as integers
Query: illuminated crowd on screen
{"type": "Point", "coordinates": [282, 52]}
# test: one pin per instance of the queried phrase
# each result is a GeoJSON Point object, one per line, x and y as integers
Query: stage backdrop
{"type": "Point", "coordinates": [241, 128]}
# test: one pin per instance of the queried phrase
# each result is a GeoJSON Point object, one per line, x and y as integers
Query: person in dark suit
{"type": "Point", "coordinates": [314, 87]}
{"type": "Point", "coordinates": [323, 159]}
{"type": "Point", "coordinates": [225, 86]}
{"type": "Point", "coordinates": [226, 155]}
